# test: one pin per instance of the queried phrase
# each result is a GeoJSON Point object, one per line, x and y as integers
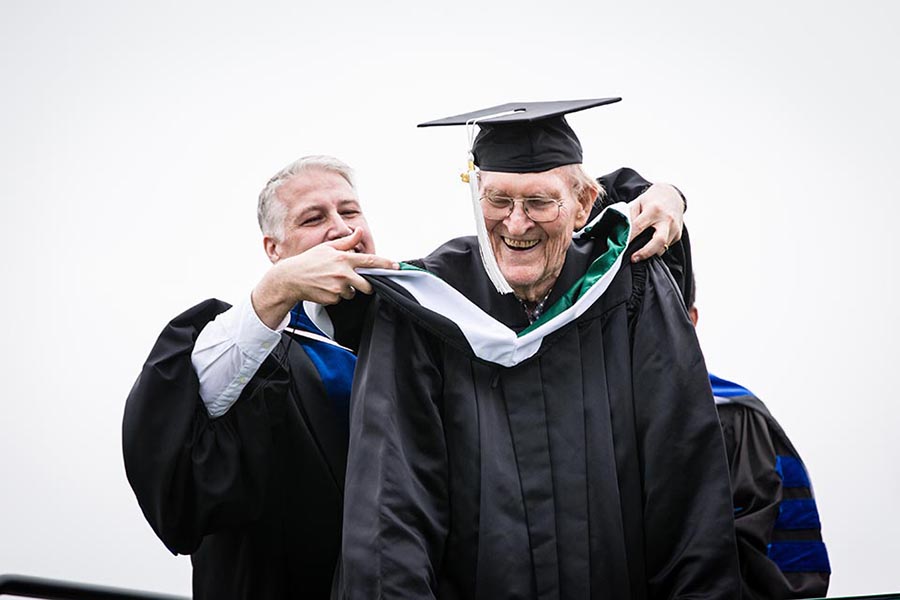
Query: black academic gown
{"type": "Point", "coordinates": [593, 469]}
{"type": "Point", "coordinates": [255, 495]}
{"type": "Point", "coordinates": [779, 534]}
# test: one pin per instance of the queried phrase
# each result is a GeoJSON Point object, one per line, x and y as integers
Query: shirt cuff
{"type": "Point", "coordinates": [248, 341]}
{"type": "Point", "coordinates": [252, 336]}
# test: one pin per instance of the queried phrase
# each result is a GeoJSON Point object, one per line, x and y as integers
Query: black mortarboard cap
{"type": "Point", "coordinates": [524, 137]}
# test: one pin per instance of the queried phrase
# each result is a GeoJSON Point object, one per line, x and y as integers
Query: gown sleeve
{"type": "Point", "coordinates": [758, 493]}
{"type": "Point", "coordinates": [396, 496]}
{"type": "Point", "coordinates": [194, 475]}
{"type": "Point", "coordinates": [622, 185]}
{"type": "Point", "coordinates": [688, 527]}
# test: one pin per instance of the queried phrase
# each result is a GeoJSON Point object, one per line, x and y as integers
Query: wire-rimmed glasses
{"type": "Point", "coordinates": [539, 209]}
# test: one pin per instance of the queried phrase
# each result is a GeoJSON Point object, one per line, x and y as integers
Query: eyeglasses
{"type": "Point", "coordinates": [539, 210]}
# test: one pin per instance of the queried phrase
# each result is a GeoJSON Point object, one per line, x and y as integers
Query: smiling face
{"type": "Point", "coordinates": [531, 255]}
{"type": "Point", "coordinates": [319, 206]}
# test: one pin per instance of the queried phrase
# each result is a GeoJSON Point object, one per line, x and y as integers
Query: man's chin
{"type": "Point", "coordinates": [520, 283]}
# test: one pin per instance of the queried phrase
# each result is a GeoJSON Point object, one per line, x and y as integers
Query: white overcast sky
{"type": "Point", "coordinates": [135, 137]}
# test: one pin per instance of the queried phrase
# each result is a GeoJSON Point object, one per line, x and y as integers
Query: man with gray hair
{"type": "Point", "coordinates": [235, 433]}
{"type": "Point", "coordinates": [531, 416]}
{"type": "Point", "coordinates": [242, 467]}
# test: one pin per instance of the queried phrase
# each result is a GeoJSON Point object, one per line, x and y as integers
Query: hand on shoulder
{"type": "Point", "coordinates": [661, 207]}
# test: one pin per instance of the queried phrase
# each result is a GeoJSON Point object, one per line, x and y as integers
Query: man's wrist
{"type": "Point", "coordinates": [269, 305]}
{"type": "Point", "coordinates": [683, 198]}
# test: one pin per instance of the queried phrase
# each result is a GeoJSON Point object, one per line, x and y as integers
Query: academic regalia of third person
{"type": "Point", "coordinates": [777, 521]}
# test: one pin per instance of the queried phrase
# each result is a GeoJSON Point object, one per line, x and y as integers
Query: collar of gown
{"type": "Point", "coordinates": [486, 337]}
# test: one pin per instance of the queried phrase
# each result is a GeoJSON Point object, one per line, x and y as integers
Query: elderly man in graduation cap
{"type": "Point", "coordinates": [531, 416]}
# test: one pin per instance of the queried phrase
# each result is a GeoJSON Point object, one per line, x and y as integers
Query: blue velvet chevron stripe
{"type": "Point", "coordinates": [334, 364]}
{"type": "Point", "coordinates": [792, 472]}
{"type": "Point", "coordinates": [797, 513]}
{"type": "Point", "coordinates": [800, 556]}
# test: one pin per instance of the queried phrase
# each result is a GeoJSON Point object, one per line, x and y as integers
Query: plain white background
{"type": "Point", "coordinates": [135, 137]}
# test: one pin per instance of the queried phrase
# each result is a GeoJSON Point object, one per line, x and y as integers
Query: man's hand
{"type": "Point", "coordinates": [324, 274]}
{"type": "Point", "coordinates": [662, 208]}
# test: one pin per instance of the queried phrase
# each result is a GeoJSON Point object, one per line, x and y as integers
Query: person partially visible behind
{"type": "Point", "coordinates": [777, 524]}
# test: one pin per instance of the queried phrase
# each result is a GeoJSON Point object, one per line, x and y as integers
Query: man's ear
{"type": "Point", "coordinates": [270, 245]}
{"type": "Point", "coordinates": [584, 203]}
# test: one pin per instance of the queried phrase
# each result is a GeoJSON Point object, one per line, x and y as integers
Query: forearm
{"type": "Point", "coordinates": [192, 475]}
{"type": "Point", "coordinates": [228, 352]}
{"type": "Point", "coordinates": [271, 299]}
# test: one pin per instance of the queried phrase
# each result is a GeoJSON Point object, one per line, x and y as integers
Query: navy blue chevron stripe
{"type": "Point", "coordinates": [797, 513]}
{"type": "Point", "coordinates": [792, 472]}
{"type": "Point", "coordinates": [800, 557]}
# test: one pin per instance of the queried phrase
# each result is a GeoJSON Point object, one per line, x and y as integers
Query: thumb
{"type": "Point", "coordinates": [347, 242]}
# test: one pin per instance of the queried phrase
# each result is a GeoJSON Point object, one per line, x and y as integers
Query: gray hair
{"type": "Point", "coordinates": [271, 212]}
{"type": "Point", "coordinates": [583, 184]}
